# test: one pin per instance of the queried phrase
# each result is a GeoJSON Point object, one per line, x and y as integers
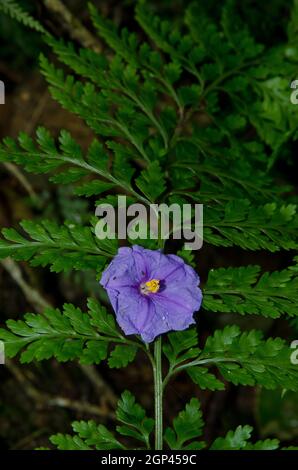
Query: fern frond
{"type": "Point", "coordinates": [245, 290]}
{"type": "Point", "coordinates": [89, 435]}
{"type": "Point", "coordinates": [187, 426]}
{"type": "Point", "coordinates": [68, 335]}
{"type": "Point", "coordinates": [68, 163]}
{"type": "Point", "coordinates": [239, 440]}
{"type": "Point", "coordinates": [62, 247]}
{"type": "Point", "coordinates": [246, 359]}
{"type": "Point", "coordinates": [15, 11]}
{"type": "Point", "coordinates": [269, 227]}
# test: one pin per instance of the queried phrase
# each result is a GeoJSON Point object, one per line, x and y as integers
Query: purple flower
{"type": "Point", "coordinates": [151, 292]}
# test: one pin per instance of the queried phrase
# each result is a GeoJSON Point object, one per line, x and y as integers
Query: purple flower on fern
{"type": "Point", "coordinates": [151, 293]}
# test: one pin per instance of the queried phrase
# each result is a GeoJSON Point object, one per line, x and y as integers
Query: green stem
{"type": "Point", "coordinates": [158, 379]}
{"type": "Point", "coordinates": [158, 395]}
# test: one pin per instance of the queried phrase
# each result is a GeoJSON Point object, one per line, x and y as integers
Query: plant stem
{"type": "Point", "coordinates": [158, 379]}
{"type": "Point", "coordinates": [158, 395]}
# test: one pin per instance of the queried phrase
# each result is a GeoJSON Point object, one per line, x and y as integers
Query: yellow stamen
{"type": "Point", "coordinates": [151, 286]}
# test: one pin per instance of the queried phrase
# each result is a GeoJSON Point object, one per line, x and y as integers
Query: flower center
{"type": "Point", "coordinates": [150, 287]}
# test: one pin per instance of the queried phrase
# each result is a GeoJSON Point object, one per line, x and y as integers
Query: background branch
{"type": "Point", "coordinates": [73, 26]}
{"type": "Point", "coordinates": [33, 296]}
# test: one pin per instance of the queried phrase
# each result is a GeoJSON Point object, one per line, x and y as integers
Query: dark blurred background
{"type": "Point", "coordinates": [42, 399]}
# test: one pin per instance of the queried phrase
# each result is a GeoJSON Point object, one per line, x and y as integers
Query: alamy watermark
{"type": "Point", "coordinates": [2, 92]}
{"type": "Point", "coordinates": [138, 221]}
{"type": "Point", "coordinates": [2, 353]}
{"type": "Point", "coordinates": [294, 94]}
{"type": "Point", "coordinates": [294, 355]}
